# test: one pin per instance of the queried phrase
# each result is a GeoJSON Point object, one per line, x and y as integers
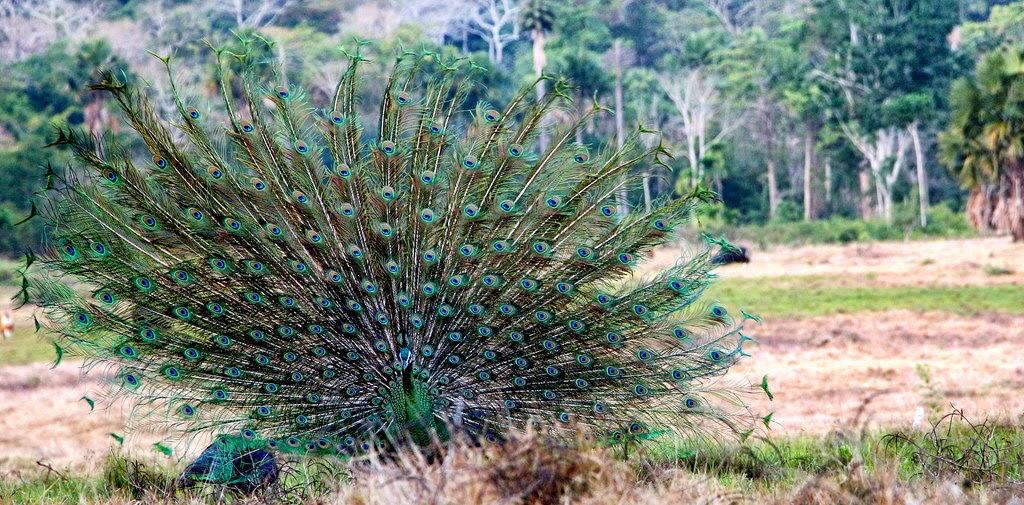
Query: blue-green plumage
{"type": "Point", "coordinates": [306, 287]}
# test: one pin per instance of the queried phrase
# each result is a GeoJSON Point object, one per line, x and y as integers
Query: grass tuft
{"type": "Point", "coordinates": [815, 296]}
{"type": "Point", "coordinates": [953, 461]}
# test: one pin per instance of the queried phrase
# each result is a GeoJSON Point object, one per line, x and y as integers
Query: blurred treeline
{"type": "Point", "coordinates": [791, 109]}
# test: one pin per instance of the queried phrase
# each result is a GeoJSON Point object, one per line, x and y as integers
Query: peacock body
{"type": "Point", "coordinates": [289, 276]}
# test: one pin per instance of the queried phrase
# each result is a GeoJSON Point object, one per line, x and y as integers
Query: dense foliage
{"type": "Point", "coordinates": [984, 143]}
{"type": "Point", "coordinates": [790, 109]}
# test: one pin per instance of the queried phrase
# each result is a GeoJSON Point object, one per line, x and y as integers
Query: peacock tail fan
{"type": "Point", "coordinates": [295, 275]}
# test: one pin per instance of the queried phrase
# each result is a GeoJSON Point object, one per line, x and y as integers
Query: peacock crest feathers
{"type": "Point", "coordinates": [278, 269]}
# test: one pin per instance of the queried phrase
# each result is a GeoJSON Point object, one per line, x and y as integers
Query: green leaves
{"type": "Point", "coordinates": [59, 354]}
{"type": "Point", "coordinates": [764, 387]}
{"type": "Point", "coordinates": [164, 449]}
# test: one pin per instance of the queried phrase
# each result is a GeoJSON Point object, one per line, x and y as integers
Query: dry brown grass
{"type": "Point", "coordinates": [883, 487]}
{"type": "Point", "coordinates": [525, 470]}
{"type": "Point", "coordinates": [823, 368]}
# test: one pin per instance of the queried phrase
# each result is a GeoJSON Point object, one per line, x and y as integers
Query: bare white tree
{"type": "Point", "coordinates": [922, 173]}
{"type": "Point", "coordinates": [885, 152]}
{"type": "Point", "coordinates": [496, 21]}
{"type": "Point", "coordinates": [620, 57]}
{"type": "Point", "coordinates": [701, 124]}
{"type": "Point", "coordinates": [437, 18]}
{"type": "Point", "coordinates": [29, 26]}
{"type": "Point", "coordinates": [728, 14]}
{"type": "Point", "coordinates": [739, 15]}
{"type": "Point", "coordinates": [251, 13]}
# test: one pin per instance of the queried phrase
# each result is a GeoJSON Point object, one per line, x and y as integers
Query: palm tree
{"type": "Point", "coordinates": [984, 143]}
{"type": "Point", "coordinates": [539, 18]}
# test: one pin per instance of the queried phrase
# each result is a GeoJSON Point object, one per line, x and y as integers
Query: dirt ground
{"type": "Point", "coordinates": [964, 262]}
{"type": "Point", "coordinates": [821, 369]}
{"type": "Point", "coordinates": [897, 364]}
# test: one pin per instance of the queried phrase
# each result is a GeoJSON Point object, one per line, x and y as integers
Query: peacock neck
{"type": "Point", "coordinates": [414, 411]}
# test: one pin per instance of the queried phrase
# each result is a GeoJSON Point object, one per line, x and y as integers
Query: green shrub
{"type": "Point", "coordinates": [9, 272]}
{"type": "Point", "coordinates": [943, 222]}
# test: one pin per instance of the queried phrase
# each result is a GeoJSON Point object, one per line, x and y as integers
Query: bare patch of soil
{"type": "Point", "coordinates": [823, 369]}
{"type": "Point", "coordinates": [43, 418]}
{"type": "Point", "coordinates": [976, 261]}
{"type": "Point", "coordinates": [820, 369]}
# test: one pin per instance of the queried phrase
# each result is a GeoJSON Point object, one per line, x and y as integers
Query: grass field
{"type": "Point", "coordinates": [26, 347]}
{"type": "Point", "coordinates": [892, 466]}
{"type": "Point", "coordinates": [864, 344]}
{"type": "Point", "coordinates": [815, 296]}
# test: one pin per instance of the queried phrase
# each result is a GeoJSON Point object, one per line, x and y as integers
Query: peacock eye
{"type": "Point", "coordinates": [283, 92]}
{"type": "Point", "coordinates": [337, 118]}
{"type": "Point", "coordinates": [491, 115]}
{"type": "Point", "coordinates": [192, 112]}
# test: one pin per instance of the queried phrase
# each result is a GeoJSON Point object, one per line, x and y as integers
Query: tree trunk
{"type": "Point", "coordinates": [773, 191]}
{"type": "Point", "coordinates": [828, 182]}
{"type": "Point", "coordinates": [864, 178]}
{"type": "Point", "coordinates": [979, 207]}
{"type": "Point", "coordinates": [1008, 214]}
{"type": "Point", "coordinates": [808, 161]}
{"type": "Point", "coordinates": [922, 175]}
{"type": "Point", "coordinates": [499, 49]}
{"type": "Point", "coordinates": [539, 61]}
{"type": "Point", "coordinates": [1017, 215]}
{"type": "Point", "coordinates": [647, 190]}
{"type": "Point", "coordinates": [620, 122]}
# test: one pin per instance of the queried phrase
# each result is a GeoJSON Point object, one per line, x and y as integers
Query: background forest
{"type": "Point", "coordinates": [818, 111]}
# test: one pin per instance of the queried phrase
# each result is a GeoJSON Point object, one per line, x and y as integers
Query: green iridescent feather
{"type": "Point", "coordinates": [293, 276]}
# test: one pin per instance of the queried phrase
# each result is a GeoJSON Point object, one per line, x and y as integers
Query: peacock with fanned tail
{"type": "Point", "coordinates": [285, 278]}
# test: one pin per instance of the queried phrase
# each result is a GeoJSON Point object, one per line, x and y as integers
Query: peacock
{"type": "Point", "coordinates": [279, 274]}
